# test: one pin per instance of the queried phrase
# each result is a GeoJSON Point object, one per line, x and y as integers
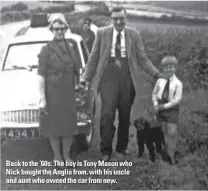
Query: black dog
{"type": "Point", "coordinates": [150, 134]}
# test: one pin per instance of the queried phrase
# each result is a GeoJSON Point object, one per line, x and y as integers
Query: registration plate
{"type": "Point", "coordinates": [22, 133]}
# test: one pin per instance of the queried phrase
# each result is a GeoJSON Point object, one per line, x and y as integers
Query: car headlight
{"type": "Point", "coordinates": [83, 119]}
{"type": "Point", "coordinates": [82, 116]}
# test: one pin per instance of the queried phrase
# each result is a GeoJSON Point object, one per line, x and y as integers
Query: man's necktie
{"type": "Point", "coordinates": [165, 94]}
{"type": "Point", "coordinates": [118, 46]}
{"type": "Point", "coordinates": [118, 50]}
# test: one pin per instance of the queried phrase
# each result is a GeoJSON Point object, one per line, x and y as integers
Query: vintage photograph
{"type": "Point", "coordinates": [104, 95]}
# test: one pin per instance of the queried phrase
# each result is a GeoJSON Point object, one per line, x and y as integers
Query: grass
{"type": "Point", "coordinates": [191, 171]}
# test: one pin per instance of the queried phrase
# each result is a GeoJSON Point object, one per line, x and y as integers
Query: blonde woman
{"type": "Point", "coordinates": [57, 70]}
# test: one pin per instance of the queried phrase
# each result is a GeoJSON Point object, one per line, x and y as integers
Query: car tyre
{"type": "Point", "coordinates": [82, 142]}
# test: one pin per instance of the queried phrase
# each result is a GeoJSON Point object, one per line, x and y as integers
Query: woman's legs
{"type": "Point", "coordinates": [55, 145]}
{"type": "Point", "coordinates": [66, 145]}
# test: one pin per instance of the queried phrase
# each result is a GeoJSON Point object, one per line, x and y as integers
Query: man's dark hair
{"type": "Point", "coordinates": [87, 21]}
{"type": "Point", "coordinates": [118, 9]}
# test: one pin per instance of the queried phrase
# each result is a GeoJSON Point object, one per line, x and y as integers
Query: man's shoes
{"type": "Point", "coordinates": [105, 158]}
{"type": "Point", "coordinates": [124, 152]}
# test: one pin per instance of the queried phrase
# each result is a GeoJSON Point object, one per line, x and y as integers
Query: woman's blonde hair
{"type": "Point", "coordinates": [60, 19]}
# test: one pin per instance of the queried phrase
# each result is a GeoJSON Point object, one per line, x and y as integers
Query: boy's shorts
{"type": "Point", "coordinates": [169, 116]}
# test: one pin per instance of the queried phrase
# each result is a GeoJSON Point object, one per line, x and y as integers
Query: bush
{"type": "Point", "coordinates": [38, 10]}
{"type": "Point", "coordinates": [13, 16]}
{"type": "Point", "coordinates": [165, 18]}
{"type": "Point", "coordinates": [62, 9]}
{"type": "Point", "coordinates": [187, 44]}
{"type": "Point", "coordinates": [27, 14]}
{"type": "Point", "coordinates": [19, 7]}
{"type": "Point", "coordinates": [101, 8]}
{"type": "Point", "coordinates": [5, 9]}
{"type": "Point", "coordinates": [193, 124]}
{"type": "Point", "coordinates": [101, 20]}
{"type": "Point", "coordinates": [5, 18]}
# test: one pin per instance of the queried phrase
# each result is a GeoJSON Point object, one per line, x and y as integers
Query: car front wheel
{"type": "Point", "coordinates": [83, 141]}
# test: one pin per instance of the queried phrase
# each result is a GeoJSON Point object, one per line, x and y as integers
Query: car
{"type": "Point", "coordinates": [19, 97]}
{"type": "Point", "coordinates": [2, 35]}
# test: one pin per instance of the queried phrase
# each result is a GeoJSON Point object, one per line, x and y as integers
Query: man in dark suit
{"type": "Point", "coordinates": [115, 58]}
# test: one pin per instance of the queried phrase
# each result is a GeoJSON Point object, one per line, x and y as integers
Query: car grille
{"type": "Point", "coordinates": [29, 117]}
{"type": "Point", "coordinates": [20, 116]}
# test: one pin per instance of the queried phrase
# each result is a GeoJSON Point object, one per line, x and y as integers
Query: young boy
{"type": "Point", "coordinates": [166, 98]}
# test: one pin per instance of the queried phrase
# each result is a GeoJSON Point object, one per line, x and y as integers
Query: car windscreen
{"type": "Point", "coordinates": [23, 56]}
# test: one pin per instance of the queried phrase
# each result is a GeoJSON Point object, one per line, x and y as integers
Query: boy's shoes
{"type": "Point", "coordinates": [172, 161]}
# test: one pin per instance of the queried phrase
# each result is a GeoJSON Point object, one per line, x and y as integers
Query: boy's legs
{"type": "Point", "coordinates": [172, 139]}
{"type": "Point", "coordinates": [170, 135]}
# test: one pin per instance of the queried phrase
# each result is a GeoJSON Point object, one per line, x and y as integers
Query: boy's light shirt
{"type": "Point", "coordinates": [175, 91]}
